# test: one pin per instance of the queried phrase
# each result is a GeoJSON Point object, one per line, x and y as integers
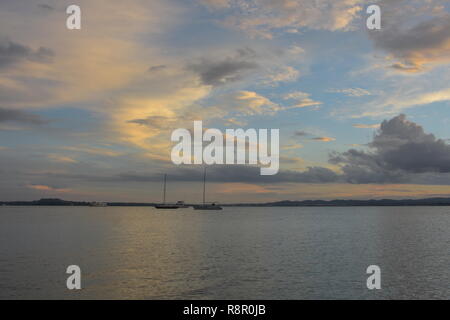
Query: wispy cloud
{"type": "Point", "coordinates": [301, 100]}
{"type": "Point", "coordinates": [223, 71]}
{"type": "Point", "coordinates": [61, 158]}
{"type": "Point", "coordinates": [43, 187]}
{"type": "Point", "coordinates": [19, 116]}
{"type": "Point", "coordinates": [323, 139]}
{"type": "Point", "coordinates": [12, 53]}
{"type": "Point", "coordinates": [292, 146]}
{"type": "Point", "coordinates": [264, 18]}
{"type": "Point", "coordinates": [301, 133]}
{"type": "Point", "coordinates": [352, 92]}
{"type": "Point", "coordinates": [366, 126]}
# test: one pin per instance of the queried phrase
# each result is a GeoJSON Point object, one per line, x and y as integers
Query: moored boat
{"type": "Point", "coordinates": [207, 206]}
{"type": "Point", "coordinates": [204, 205]}
{"type": "Point", "coordinates": [165, 205]}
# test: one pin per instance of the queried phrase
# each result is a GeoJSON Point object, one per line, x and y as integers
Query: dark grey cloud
{"type": "Point", "coordinates": [301, 133]}
{"type": "Point", "coordinates": [323, 139]}
{"type": "Point", "coordinates": [415, 33]}
{"type": "Point", "coordinates": [157, 68]}
{"type": "Point", "coordinates": [216, 173]}
{"type": "Point", "coordinates": [360, 167]}
{"type": "Point", "coordinates": [252, 174]}
{"type": "Point", "coordinates": [428, 34]}
{"type": "Point", "coordinates": [404, 145]}
{"type": "Point", "coordinates": [12, 53]}
{"type": "Point", "coordinates": [399, 152]}
{"type": "Point", "coordinates": [10, 115]}
{"type": "Point", "coordinates": [218, 72]}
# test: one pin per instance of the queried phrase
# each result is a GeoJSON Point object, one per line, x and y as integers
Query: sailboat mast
{"type": "Point", "coordinates": [204, 185]}
{"type": "Point", "coordinates": [164, 194]}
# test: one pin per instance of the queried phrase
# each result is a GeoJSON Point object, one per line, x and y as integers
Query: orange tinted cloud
{"type": "Point", "coordinates": [42, 187]}
{"type": "Point", "coordinates": [324, 139]}
{"type": "Point", "coordinates": [301, 191]}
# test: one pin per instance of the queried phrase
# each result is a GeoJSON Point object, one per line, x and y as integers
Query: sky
{"type": "Point", "coordinates": [88, 114]}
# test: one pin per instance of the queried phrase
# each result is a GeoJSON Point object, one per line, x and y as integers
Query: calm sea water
{"type": "Point", "coordinates": [239, 253]}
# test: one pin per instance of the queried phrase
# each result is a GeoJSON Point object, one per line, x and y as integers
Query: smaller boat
{"type": "Point", "coordinates": [165, 205]}
{"type": "Point", "coordinates": [98, 204]}
{"type": "Point", "coordinates": [178, 205]}
{"type": "Point", "coordinates": [204, 205]}
{"type": "Point", "coordinates": [181, 204]}
{"type": "Point", "coordinates": [207, 206]}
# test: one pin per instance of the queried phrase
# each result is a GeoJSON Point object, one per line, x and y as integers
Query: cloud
{"type": "Point", "coordinates": [323, 139]}
{"type": "Point", "coordinates": [158, 122]}
{"type": "Point", "coordinates": [402, 99]}
{"type": "Point", "coordinates": [260, 63]}
{"type": "Point", "coordinates": [94, 151]}
{"type": "Point", "coordinates": [400, 152]}
{"type": "Point", "coordinates": [236, 173]}
{"type": "Point", "coordinates": [302, 100]}
{"type": "Point", "coordinates": [361, 168]}
{"type": "Point", "coordinates": [43, 187]}
{"type": "Point", "coordinates": [163, 101]}
{"type": "Point", "coordinates": [12, 53]}
{"type": "Point", "coordinates": [46, 7]}
{"type": "Point", "coordinates": [285, 74]}
{"type": "Point", "coordinates": [96, 65]}
{"type": "Point", "coordinates": [406, 67]}
{"type": "Point", "coordinates": [18, 116]}
{"type": "Point", "coordinates": [107, 72]}
{"type": "Point", "coordinates": [301, 133]}
{"type": "Point", "coordinates": [352, 92]}
{"type": "Point", "coordinates": [248, 103]}
{"type": "Point", "coordinates": [61, 158]}
{"type": "Point", "coordinates": [219, 72]}
{"type": "Point", "coordinates": [157, 68]}
{"type": "Point", "coordinates": [366, 126]}
{"type": "Point", "coordinates": [404, 145]}
{"type": "Point", "coordinates": [307, 102]}
{"type": "Point", "coordinates": [217, 3]}
{"type": "Point", "coordinates": [415, 34]}
{"type": "Point", "coordinates": [292, 146]}
{"type": "Point", "coordinates": [263, 18]}
{"type": "Point", "coordinates": [424, 98]}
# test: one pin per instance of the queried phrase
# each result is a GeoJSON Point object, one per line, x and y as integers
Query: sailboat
{"type": "Point", "coordinates": [206, 206]}
{"type": "Point", "coordinates": [165, 205]}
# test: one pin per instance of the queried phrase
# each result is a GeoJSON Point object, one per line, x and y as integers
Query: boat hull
{"type": "Point", "coordinates": [166, 207]}
{"type": "Point", "coordinates": [207, 207]}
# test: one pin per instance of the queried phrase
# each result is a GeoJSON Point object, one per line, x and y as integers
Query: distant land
{"type": "Point", "coordinates": [285, 203]}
